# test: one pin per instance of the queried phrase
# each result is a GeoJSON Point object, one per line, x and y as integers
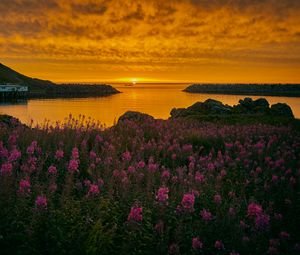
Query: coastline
{"type": "Point", "coordinates": [73, 91]}
{"type": "Point", "coordinates": [286, 90]}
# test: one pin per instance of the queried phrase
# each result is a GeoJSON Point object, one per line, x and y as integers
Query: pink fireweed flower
{"type": "Point", "coordinates": [75, 153]}
{"type": "Point", "coordinates": [87, 183]}
{"type": "Point", "coordinates": [100, 182]}
{"type": "Point", "coordinates": [191, 166]}
{"type": "Point", "coordinates": [135, 214]}
{"type": "Point", "coordinates": [24, 186]}
{"type": "Point", "coordinates": [30, 150]}
{"type": "Point", "coordinates": [14, 155]}
{"type": "Point", "coordinates": [284, 235]}
{"type": "Point", "coordinates": [152, 167]}
{"type": "Point", "coordinates": [223, 173]}
{"type": "Point", "coordinates": [258, 170]}
{"type": "Point", "coordinates": [93, 155]}
{"type": "Point", "coordinates": [126, 156]}
{"type": "Point", "coordinates": [206, 215]}
{"type": "Point", "coordinates": [131, 169]}
{"type": "Point", "coordinates": [98, 138]}
{"type": "Point", "coordinates": [59, 154]}
{"type": "Point", "coordinates": [197, 243]}
{"type": "Point", "coordinates": [199, 177]}
{"type": "Point", "coordinates": [52, 170]}
{"type": "Point", "coordinates": [254, 210]}
{"type": "Point", "coordinates": [93, 190]}
{"type": "Point", "coordinates": [219, 245]}
{"type": "Point", "coordinates": [228, 145]}
{"type": "Point", "coordinates": [188, 202]}
{"type": "Point", "coordinates": [165, 175]}
{"type": "Point", "coordinates": [262, 221]}
{"type": "Point", "coordinates": [174, 156]}
{"type": "Point", "coordinates": [73, 165]}
{"type": "Point", "coordinates": [6, 168]}
{"type": "Point", "coordinates": [210, 167]}
{"type": "Point", "coordinates": [141, 164]}
{"type": "Point", "coordinates": [162, 195]}
{"type": "Point", "coordinates": [41, 202]}
{"type": "Point", "coordinates": [187, 148]}
{"type": "Point", "coordinates": [218, 199]}
{"type": "Point", "coordinates": [174, 179]}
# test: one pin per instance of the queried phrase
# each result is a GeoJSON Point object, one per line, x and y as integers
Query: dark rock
{"type": "Point", "coordinates": [208, 107]}
{"type": "Point", "coordinates": [135, 116]}
{"type": "Point", "coordinates": [261, 102]}
{"type": "Point", "coordinates": [282, 110]}
{"type": "Point", "coordinates": [246, 106]}
{"type": "Point", "coordinates": [260, 106]}
{"type": "Point", "coordinates": [247, 102]}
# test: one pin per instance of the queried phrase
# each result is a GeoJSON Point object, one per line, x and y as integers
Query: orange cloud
{"type": "Point", "coordinates": [153, 38]}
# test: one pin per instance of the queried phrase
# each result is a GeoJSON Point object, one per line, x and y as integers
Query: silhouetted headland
{"type": "Point", "coordinates": [288, 90]}
{"type": "Point", "coordinates": [46, 89]}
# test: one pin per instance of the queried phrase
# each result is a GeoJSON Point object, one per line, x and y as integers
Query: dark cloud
{"type": "Point", "coordinates": [28, 6]}
{"type": "Point", "coordinates": [89, 8]}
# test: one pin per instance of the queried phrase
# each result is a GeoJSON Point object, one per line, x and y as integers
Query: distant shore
{"type": "Point", "coordinates": [37, 88]}
{"type": "Point", "coordinates": [73, 91]}
{"type": "Point", "coordinates": [287, 90]}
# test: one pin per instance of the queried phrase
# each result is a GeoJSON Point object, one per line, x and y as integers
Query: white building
{"type": "Point", "coordinates": [12, 88]}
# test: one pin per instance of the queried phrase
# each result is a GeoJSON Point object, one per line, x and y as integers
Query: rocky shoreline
{"type": "Point", "coordinates": [213, 108]}
{"type": "Point", "coordinates": [288, 90]}
{"type": "Point", "coordinates": [246, 108]}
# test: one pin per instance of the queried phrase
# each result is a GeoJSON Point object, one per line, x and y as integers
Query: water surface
{"type": "Point", "coordinates": [154, 99]}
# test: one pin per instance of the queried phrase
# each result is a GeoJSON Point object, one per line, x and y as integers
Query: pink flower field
{"type": "Point", "coordinates": [152, 187]}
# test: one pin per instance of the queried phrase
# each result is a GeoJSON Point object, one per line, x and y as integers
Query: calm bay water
{"type": "Point", "coordinates": [154, 99]}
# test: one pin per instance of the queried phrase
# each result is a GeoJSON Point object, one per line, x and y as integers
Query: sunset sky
{"type": "Point", "coordinates": [152, 40]}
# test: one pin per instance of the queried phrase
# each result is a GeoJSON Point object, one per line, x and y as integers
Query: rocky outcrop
{"type": "Point", "coordinates": [281, 110]}
{"type": "Point", "coordinates": [249, 106]}
{"type": "Point", "coordinates": [210, 106]}
{"type": "Point", "coordinates": [135, 116]}
{"type": "Point", "coordinates": [246, 106]}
